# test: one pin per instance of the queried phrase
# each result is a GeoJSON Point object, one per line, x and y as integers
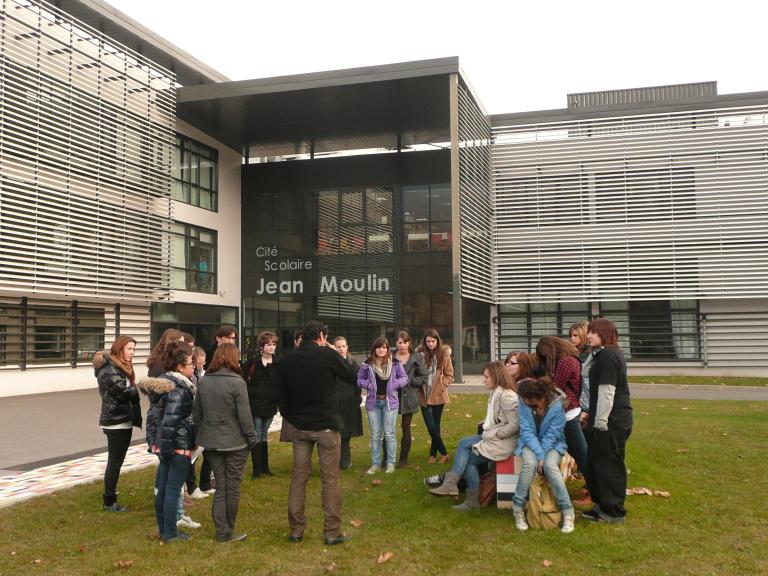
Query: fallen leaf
{"type": "Point", "coordinates": [331, 567]}
{"type": "Point", "coordinates": [467, 415]}
{"type": "Point", "coordinates": [385, 557]}
{"type": "Point", "coordinates": [376, 482]}
{"type": "Point", "coordinates": [725, 433]}
{"type": "Point", "coordinates": [82, 548]}
{"type": "Point", "coordinates": [356, 522]}
{"type": "Point", "coordinates": [124, 564]}
{"type": "Point", "coordinates": [36, 561]}
{"type": "Point", "coordinates": [643, 413]}
{"type": "Point", "coordinates": [685, 408]}
{"type": "Point", "coordinates": [639, 490]}
{"type": "Point", "coordinates": [661, 494]}
{"type": "Point", "coordinates": [13, 553]}
{"type": "Point", "coordinates": [682, 450]}
{"type": "Point", "coordinates": [547, 563]}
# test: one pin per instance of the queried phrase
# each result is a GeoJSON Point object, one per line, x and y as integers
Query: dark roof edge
{"type": "Point", "coordinates": [567, 114]}
{"type": "Point", "coordinates": [138, 37]}
{"type": "Point", "coordinates": [346, 76]}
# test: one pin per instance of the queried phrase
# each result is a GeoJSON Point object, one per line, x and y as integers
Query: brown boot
{"type": "Point", "coordinates": [449, 487]}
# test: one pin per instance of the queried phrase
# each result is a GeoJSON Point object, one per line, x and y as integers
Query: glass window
{"type": "Point", "coordinates": [440, 202]}
{"type": "Point", "coordinates": [194, 170]}
{"type": "Point", "coordinates": [415, 203]}
{"type": "Point", "coordinates": [193, 259]}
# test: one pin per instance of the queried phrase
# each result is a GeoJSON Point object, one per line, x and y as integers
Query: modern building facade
{"type": "Point", "coordinates": [141, 190]}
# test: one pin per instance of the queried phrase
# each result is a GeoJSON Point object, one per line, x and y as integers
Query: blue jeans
{"type": "Point", "coordinates": [382, 419]}
{"type": "Point", "coordinates": [577, 444]}
{"type": "Point", "coordinates": [465, 462]}
{"type": "Point", "coordinates": [551, 473]}
{"type": "Point", "coordinates": [432, 416]}
{"type": "Point", "coordinates": [262, 427]}
{"type": "Point", "coordinates": [171, 475]}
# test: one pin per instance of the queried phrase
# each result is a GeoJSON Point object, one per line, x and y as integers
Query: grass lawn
{"type": "Point", "coordinates": [699, 380]}
{"type": "Point", "coordinates": [711, 456]}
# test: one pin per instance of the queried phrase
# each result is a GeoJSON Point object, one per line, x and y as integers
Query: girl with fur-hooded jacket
{"type": "Point", "coordinates": [171, 434]}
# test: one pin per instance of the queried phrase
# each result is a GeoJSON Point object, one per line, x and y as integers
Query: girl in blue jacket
{"type": "Point", "coordinates": [542, 446]}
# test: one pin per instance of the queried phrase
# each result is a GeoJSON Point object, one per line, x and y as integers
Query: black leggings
{"type": "Point", "coordinates": [405, 443]}
{"type": "Point", "coordinates": [118, 441]}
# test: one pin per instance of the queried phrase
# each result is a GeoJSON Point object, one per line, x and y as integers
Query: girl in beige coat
{"type": "Point", "coordinates": [497, 442]}
{"type": "Point", "coordinates": [433, 396]}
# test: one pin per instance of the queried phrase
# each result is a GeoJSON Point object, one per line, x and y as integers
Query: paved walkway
{"type": "Point", "coordinates": [63, 445]}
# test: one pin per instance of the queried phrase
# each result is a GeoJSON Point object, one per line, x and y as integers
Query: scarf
{"type": "Point", "coordinates": [383, 374]}
{"type": "Point", "coordinates": [493, 401]}
{"type": "Point", "coordinates": [124, 367]}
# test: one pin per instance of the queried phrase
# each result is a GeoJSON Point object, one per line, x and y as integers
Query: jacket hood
{"type": "Point", "coordinates": [155, 385]}
{"type": "Point", "coordinates": [99, 359]}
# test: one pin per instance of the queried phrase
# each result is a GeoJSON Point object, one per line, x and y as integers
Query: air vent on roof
{"type": "Point", "coordinates": [674, 92]}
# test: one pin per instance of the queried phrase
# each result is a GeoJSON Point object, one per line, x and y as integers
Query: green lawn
{"type": "Point", "coordinates": [699, 380]}
{"type": "Point", "coordinates": [711, 456]}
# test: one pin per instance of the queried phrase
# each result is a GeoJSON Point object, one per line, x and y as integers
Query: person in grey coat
{"type": "Point", "coordinates": [413, 363]}
{"type": "Point", "coordinates": [225, 429]}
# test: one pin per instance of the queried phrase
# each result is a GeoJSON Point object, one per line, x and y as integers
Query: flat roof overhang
{"type": "Point", "coordinates": [348, 109]}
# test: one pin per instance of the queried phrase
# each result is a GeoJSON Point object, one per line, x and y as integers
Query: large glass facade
{"type": "Point", "coordinates": [367, 260]}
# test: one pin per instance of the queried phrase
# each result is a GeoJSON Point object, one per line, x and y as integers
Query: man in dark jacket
{"type": "Point", "coordinates": [309, 400]}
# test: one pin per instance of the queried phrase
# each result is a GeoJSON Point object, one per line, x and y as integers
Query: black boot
{"type": "Point", "coordinates": [256, 458]}
{"type": "Point", "coordinates": [111, 505]}
{"type": "Point", "coordinates": [265, 459]}
{"type": "Point", "coordinates": [345, 461]}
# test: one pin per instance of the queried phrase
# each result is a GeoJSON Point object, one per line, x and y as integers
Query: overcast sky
{"type": "Point", "coordinates": [517, 55]}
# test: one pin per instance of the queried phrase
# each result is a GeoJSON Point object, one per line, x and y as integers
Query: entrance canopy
{"type": "Point", "coordinates": [389, 106]}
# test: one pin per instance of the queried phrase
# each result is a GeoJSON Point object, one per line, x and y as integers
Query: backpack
{"type": "Point", "coordinates": [543, 512]}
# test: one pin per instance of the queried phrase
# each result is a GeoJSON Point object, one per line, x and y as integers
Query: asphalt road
{"type": "Point", "coordinates": [47, 428]}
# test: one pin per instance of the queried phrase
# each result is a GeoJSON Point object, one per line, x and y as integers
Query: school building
{"type": "Point", "coordinates": [141, 190]}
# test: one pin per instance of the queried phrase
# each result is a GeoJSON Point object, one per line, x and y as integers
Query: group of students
{"type": "Point", "coordinates": [575, 398]}
{"type": "Point", "coordinates": [566, 397]}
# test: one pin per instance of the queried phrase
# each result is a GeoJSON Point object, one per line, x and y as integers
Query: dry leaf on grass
{"type": "Point", "coordinates": [36, 561]}
{"type": "Point", "coordinates": [13, 553]}
{"type": "Point", "coordinates": [124, 564]}
{"type": "Point", "coordinates": [376, 482]}
{"type": "Point", "coordinates": [643, 413]}
{"type": "Point", "coordinates": [661, 494]}
{"type": "Point", "coordinates": [685, 408]}
{"type": "Point", "coordinates": [356, 522]}
{"type": "Point", "coordinates": [467, 415]}
{"type": "Point", "coordinates": [331, 567]}
{"type": "Point", "coordinates": [640, 490]}
{"type": "Point", "coordinates": [385, 557]}
{"type": "Point", "coordinates": [547, 563]}
{"type": "Point", "coordinates": [682, 450]}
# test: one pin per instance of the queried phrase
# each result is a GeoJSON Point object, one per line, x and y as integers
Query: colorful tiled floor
{"type": "Point", "coordinates": [18, 486]}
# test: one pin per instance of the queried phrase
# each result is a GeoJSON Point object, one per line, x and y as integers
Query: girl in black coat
{"type": "Point", "coordinates": [263, 392]}
{"type": "Point", "coordinates": [349, 405]}
{"type": "Point", "coordinates": [120, 410]}
{"type": "Point", "coordinates": [171, 434]}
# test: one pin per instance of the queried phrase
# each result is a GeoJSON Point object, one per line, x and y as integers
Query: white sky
{"type": "Point", "coordinates": [517, 55]}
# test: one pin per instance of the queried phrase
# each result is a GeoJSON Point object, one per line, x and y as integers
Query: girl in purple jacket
{"type": "Point", "coordinates": [382, 375]}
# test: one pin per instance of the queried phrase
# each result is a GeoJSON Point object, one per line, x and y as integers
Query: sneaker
{"type": "Point", "coordinates": [434, 481]}
{"type": "Point", "coordinates": [180, 537]}
{"type": "Point", "coordinates": [610, 519]}
{"type": "Point", "coordinates": [520, 522]}
{"type": "Point", "coordinates": [569, 516]}
{"type": "Point", "coordinates": [372, 470]}
{"type": "Point", "coordinates": [592, 515]}
{"type": "Point", "coordinates": [187, 522]}
{"type": "Point", "coordinates": [198, 494]}
{"type": "Point", "coordinates": [115, 508]}
{"type": "Point", "coordinates": [390, 469]}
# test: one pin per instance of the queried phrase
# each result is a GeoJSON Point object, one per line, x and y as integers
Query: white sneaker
{"type": "Point", "coordinates": [198, 494]}
{"type": "Point", "coordinates": [390, 469]}
{"type": "Point", "coordinates": [520, 522]}
{"type": "Point", "coordinates": [568, 517]}
{"type": "Point", "coordinates": [372, 470]}
{"type": "Point", "coordinates": [210, 491]}
{"type": "Point", "coordinates": [187, 522]}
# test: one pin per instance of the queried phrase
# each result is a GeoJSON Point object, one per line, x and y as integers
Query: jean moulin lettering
{"type": "Point", "coordinates": [328, 284]}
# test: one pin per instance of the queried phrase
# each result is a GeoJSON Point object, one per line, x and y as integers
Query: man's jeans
{"type": "Point", "coordinates": [551, 473]}
{"type": "Point", "coordinates": [382, 418]}
{"type": "Point", "coordinates": [171, 475]}
{"type": "Point", "coordinates": [328, 449]}
{"type": "Point", "coordinates": [465, 462]}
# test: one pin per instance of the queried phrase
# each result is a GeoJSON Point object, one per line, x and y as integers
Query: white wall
{"type": "Point", "coordinates": [226, 222]}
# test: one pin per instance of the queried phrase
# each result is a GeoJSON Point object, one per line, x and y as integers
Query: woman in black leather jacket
{"type": "Point", "coordinates": [171, 434]}
{"type": "Point", "coordinates": [120, 410]}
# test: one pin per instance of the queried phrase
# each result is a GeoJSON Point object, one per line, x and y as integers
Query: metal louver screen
{"type": "Point", "coordinates": [657, 206]}
{"type": "Point", "coordinates": [475, 194]}
{"type": "Point", "coordinates": [85, 152]}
